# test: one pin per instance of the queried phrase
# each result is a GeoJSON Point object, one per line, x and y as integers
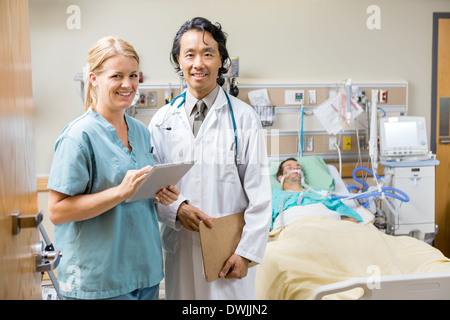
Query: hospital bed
{"type": "Point", "coordinates": [316, 256]}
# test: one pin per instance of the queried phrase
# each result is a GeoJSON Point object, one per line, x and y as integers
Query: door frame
{"type": "Point", "coordinates": [442, 205]}
{"type": "Point", "coordinates": [434, 77]}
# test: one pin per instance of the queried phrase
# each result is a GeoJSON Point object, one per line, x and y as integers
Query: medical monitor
{"type": "Point", "coordinates": [403, 138]}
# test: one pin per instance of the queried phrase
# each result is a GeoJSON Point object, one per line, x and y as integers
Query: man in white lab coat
{"type": "Point", "coordinates": [225, 179]}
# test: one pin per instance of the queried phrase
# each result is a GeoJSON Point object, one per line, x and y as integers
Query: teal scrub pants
{"type": "Point", "coordinates": [151, 293]}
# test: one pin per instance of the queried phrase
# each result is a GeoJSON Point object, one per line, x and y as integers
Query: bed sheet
{"type": "Point", "coordinates": [317, 250]}
{"type": "Point", "coordinates": [294, 213]}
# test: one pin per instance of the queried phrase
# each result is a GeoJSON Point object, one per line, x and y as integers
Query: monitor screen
{"type": "Point", "coordinates": [403, 137]}
{"type": "Point", "coordinates": [401, 134]}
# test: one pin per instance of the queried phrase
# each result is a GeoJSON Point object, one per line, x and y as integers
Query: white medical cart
{"type": "Point", "coordinates": [417, 180]}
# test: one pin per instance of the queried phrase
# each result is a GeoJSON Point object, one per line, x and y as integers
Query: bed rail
{"type": "Point", "coordinates": [420, 286]}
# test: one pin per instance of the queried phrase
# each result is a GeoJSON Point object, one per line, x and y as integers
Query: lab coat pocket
{"type": "Point", "coordinates": [227, 170]}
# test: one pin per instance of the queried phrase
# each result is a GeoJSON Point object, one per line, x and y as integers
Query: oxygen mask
{"type": "Point", "coordinates": [289, 172]}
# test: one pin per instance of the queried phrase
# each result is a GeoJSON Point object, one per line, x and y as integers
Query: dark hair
{"type": "Point", "coordinates": [204, 25]}
{"type": "Point", "coordinates": [280, 167]}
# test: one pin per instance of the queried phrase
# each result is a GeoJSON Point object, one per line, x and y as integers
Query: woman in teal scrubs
{"type": "Point", "coordinates": [111, 248]}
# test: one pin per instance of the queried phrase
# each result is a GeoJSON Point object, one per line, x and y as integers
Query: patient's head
{"type": "Point", "coordinates": [289, 176]}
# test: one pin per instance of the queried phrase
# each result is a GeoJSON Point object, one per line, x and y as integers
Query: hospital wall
{"type": "Point", "coordinates": [277, 42]}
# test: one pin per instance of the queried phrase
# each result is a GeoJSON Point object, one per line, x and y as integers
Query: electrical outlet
{"type": "Point", "coordinates": [347, 143]}
{"type": "Point", "coordinates": [362, 140]}
{"type": "Point", "coordinates": [309, 144]}
{"type": "Point", "coordinates": [332, 141]}
{"type": "Point", "coordinates": [312, 99]}
{"type": "Point", "coordinates": [152, 100]}
{"type": "Point", "coordinates": [142, 99]}
{"type": "Point", "coordinates": [382, 96]}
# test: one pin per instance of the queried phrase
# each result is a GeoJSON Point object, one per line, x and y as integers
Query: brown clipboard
{"type": "Point", "coordinates": [220, 242]}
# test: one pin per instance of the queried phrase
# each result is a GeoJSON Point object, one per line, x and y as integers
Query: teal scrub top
{"type": "Point", "coordinates": [290, 199]}
{"type": "Point", "coordinates": [120, 250]}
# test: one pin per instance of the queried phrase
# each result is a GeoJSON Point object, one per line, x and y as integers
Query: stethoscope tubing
{"type": "Point", "coordinates": [183, 100]}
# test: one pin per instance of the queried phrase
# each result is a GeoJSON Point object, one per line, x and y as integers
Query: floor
{"type": "Point", "coordinates": [49, 292]}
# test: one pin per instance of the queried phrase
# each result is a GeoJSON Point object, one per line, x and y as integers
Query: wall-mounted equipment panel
{"type": "Point", "coordinates": [283, 134]}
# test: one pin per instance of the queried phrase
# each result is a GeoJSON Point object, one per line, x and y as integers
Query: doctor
{"type": "Point", "coordinates": [224, 180]}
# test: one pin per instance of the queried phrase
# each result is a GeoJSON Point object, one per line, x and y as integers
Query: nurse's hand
{"type": "Point", "coordinates": [235, 267]}
{"type": "Point", "coordinates": [132, 180]}
{"type": "Point", "coordinates": [168, 195]}
{"type": "Point", "coordinates": [190, 217]}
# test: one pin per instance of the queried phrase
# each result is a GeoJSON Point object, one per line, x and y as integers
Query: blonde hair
{"type": "Point", "coordinates": [102, 50]}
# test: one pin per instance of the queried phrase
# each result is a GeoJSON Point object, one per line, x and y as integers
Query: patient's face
{"type": "Point", "coordinates": [289, 166]}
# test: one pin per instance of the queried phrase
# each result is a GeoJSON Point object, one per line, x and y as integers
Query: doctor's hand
{"type": "Point", "coordinates": [168, 195]}
{"type": "Point", "coordinates": [235, 267]}
{"type": "Point", "coordinates": [190, 217]}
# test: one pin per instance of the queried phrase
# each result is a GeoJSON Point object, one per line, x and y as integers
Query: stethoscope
{"type": "Point", "coordinates": [182, 96]}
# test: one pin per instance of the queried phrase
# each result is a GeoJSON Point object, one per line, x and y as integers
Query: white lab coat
{"type": "Point", "coordinates": [216, 186]}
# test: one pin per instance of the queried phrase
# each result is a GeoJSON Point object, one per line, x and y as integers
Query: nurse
{"type": "Point", "coordinates": [224, 179]}
{"type": "Point", "coordinates": [111, 249]}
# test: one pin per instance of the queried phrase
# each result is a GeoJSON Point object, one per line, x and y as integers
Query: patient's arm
{"type": "Point", "coordinates": [349, 219]}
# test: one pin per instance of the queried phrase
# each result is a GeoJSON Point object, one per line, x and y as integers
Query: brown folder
{"type": "Point", "coordinates": [220, 242]}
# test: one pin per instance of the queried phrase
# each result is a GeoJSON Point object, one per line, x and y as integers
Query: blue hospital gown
{"type": "Point", "coordinates": [290, 199]}
{"type": "Point", "coordinates": [120, 250]}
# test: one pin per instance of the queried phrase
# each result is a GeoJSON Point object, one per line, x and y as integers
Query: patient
{"type": "Point", "coordinates": [294, 193]}
{"type": "Point", "coordinates": [292, 181]}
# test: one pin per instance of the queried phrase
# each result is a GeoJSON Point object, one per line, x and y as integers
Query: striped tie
{"type": "Point", "coordinates": [199, 116]}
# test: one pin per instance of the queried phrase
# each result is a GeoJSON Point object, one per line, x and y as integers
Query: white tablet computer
{"type": "Point", "coordinates": [161, 176]}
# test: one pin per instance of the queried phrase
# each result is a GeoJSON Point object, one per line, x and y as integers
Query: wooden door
{"type": "Point", "coordinates": [18, 190]}
{"type": "Point", "coordinates": [441, 145]}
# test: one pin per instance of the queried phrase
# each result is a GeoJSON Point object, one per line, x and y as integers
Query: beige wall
{"type": "Point", "coordinates": [284, 41]}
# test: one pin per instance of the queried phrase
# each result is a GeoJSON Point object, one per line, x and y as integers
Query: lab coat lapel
{"type": "Point", "coordinates": [184, 122]}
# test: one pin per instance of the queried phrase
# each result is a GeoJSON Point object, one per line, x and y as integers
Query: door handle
{"type": "Point", "coordinates": [444, 125]}
{"type": "Point", "coordinates": [24, 221]}
{"type": "Point", "coordinates": [46, 260]}
{"type": "Point", "coordinates": [444, 140]}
